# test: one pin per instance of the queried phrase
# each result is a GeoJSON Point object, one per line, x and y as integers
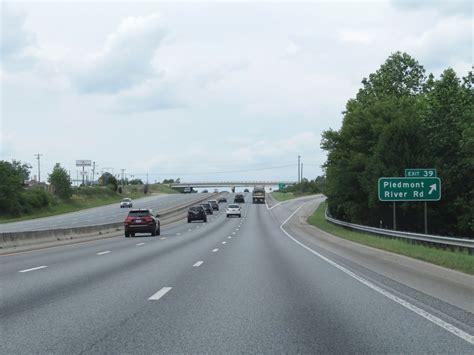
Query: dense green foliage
{"type": "Point", "coordinates": [401, 119]}
{"type": "Point", "coordinates": [15, 199]}
{"type": "Point", "coordinates": [107, 179]}
{"type": "Point", "coordinates": [306, 187]}
{"type": "Point", "coordinates": [61, 182]}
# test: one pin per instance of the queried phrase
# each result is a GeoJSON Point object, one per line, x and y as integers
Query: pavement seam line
{"type": "Point", "coordinates": [435, 320]}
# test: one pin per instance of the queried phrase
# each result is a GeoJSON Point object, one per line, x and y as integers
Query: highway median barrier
{"type": "Point", "coordinates": [11, 240]}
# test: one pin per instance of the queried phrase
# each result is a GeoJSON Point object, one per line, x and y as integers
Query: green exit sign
{"type": "Point", "coordinates": [409, 189]}
{"type": "Point", "coordinates": [420, 173]}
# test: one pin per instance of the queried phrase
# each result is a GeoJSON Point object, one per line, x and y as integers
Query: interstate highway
{"type": "Point", "coordinates": [265, 283]}
{"type": "Point", "coordinates": [99, 215]}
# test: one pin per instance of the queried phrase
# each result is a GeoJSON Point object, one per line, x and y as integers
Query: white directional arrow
{"type": "Point", "coordinates": [432, 188]}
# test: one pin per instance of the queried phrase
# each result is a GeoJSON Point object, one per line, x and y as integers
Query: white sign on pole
{"type": "Point", "coordinates": [83, 162]}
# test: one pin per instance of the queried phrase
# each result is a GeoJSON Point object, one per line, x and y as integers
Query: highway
{"type": "Point", "coordinates": [264, 283]}
{"type": "Point", "coordinates": [99, 215]}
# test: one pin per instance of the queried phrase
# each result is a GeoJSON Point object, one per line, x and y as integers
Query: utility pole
{"type": "Point", "coordinates": [93, 172]}
{"type": "Point", "coordinates": [122, 174]}
{"type": "Point", "coordinates": [299, 171]}
{"type": "Point", "coordinates": [39, 170]}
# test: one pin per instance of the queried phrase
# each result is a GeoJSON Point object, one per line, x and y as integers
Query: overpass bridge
{"type": "Point", "coordinates": [231, 183]}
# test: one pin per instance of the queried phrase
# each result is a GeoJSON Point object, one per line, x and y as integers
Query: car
{"type": "Point", "coordinates": [233, 210]}
{"type": "Point", "coordinates": [142, 221]}
{"type": "Point", "coordinates": [205, 191]}
{"type": "Point", "coordinates": [197, 213]}
{"type": "Point", "coordinates": [246, 190]}
{"type": "Point", "coordinates": [239, 198]}
{"type": "Point", "coordinates": [208, 208]}
{"type": "Point", "coordinates": [214, 204]}
{"type": "Point", "coordinates": [126, 203]}
{"type": "Point", "coordinates": [222, 200]}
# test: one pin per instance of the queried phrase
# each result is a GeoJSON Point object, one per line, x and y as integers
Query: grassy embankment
{"type": "Point", "coordinates": [457, 260]}
{"type": "Point", "coordinates": [82, 201]}
{"type": "Point", "coordinates": [285, 196]}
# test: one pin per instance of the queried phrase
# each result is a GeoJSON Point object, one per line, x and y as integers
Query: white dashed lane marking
{"type": "Point", "coordinates": [224, 242]}
{"type": "Point", "coordinates": [215, 250]}
{"type": "Point", "coordinates": [33, 269]}
{"type": "Point", "coordinates": [160, 293]}
{"type": "Point", "coordinates": [140, 244]}
{"type": "Point", "coordinates": [199, 263]}
{"type": "Point", "coordinates": [103, 252]}
{"type": "Point", "coordinates": [163, 238]}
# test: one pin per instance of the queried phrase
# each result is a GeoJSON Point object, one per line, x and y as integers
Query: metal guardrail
{"type": "Point", "coordinates": [422, 238]}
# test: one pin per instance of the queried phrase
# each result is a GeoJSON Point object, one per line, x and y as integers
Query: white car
{"type": "Point", "coordinates": [126, 202]}
{"type": "Point", "coordinates": [233, 210]}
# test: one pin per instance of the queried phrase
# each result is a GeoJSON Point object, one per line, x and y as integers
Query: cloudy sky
{"type": "Point", "coordinates": [205, 91]}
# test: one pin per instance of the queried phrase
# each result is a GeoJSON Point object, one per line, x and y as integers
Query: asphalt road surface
{"type": "Point", "coordinates": [256, 284]}
{"type": "Point", "coordinates": [99, 215]}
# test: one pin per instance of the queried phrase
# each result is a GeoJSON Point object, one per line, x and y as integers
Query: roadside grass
{"type": "Point", "coordinates": [285, 196]}
{"type": "Point", "coordinates": [456, 260]}
{"type": "Point", "coordinates": [80, 202]}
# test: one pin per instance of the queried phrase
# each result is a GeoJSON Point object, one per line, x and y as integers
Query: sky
{"type": "Point", "coordinates": [204, 91]}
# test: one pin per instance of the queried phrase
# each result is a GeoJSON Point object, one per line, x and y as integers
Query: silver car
{"type": "Point", "coordinates": [233, 210]}
{"type": "Point", "coordinates": [126, 203]}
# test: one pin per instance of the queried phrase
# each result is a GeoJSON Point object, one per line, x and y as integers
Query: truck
{"type": "Point", "coordinates": [258, 194]}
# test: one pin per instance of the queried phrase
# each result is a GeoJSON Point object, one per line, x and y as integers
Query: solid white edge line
{"type": "Point", "coordinates": [103, 252]}
{"type": "Point", "coordinates": [215, 250]}
{"type": "Point", "coordinates": [199, 263]}
{"type": "Point", "coordinates": [160, 294]}
{"type": "Point", "coordinates": [439, 322]}
{"type": "Point", "coordinates": [34, 268]}
{"type": "Point", "coordinates": [271, 208]}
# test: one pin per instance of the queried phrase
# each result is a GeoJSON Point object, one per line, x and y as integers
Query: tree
{"type": "Point", "coordinates": [107, 179]}
{"type": "Point", "coordinates": [11, 181]}
{"type": "Point", "coordinates": [59, 178]}
{"type": "Point", "coordinates": [136, 182]}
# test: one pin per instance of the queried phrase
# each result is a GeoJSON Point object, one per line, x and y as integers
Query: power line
{"type": "Point", "coordinates": [220, 172]}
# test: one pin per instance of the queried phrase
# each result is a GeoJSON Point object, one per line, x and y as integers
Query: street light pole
{"type": "Point", "coordinates": [39, 170]}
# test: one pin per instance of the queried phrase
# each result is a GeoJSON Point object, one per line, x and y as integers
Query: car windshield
{"type": "Point", "coordinates": [234, 206]}
{"type": "Point", "coordinates": [126, 200]}
{"type": "Point", "coordinates": [196, 209]}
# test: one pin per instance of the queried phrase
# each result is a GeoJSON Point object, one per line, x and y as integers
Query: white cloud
{"type": "Point", "coordinates": [293, 48]}
{"type": "Point", "coordinates": [17, 45]}
{"type": "Point", "coordinates": [356, 36]}
{"type": "Point", "coordinates": [126, 59]}
{"type": "Point", "coordinates": [443, 7]}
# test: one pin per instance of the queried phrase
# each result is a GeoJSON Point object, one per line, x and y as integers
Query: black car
{"type": "Point", "coordinates": [239, 198]}
{"type": "Point", "coordinates": [205, 191]}
{"type": "Point", "coordinates": [141, 221]}
{"type": "Point", "coordinates": [197, 213]}
{"type": "Point", "coordinates": [214, 204]}
{"type": "Point", "coordinates": [208, 208]}
{"type": "Point", "coordinates": [222, 200]}
{"type": "Point", "coordinates": [246, 190]}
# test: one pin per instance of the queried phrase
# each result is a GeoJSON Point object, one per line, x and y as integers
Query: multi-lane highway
{"type": "Point", "coordinates": [263, 283]}
{"type": "Point", "coordinates": [99, 215]}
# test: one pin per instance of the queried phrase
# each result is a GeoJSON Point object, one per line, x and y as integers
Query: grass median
{"type": "Point", "coordinates": [81, 202]}
{"type": "Point", "coordinates": [285, 196]}
{"type": "Point", "coordinates": [457, 260]}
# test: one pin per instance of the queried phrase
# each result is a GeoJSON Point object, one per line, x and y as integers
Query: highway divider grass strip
{"type": "Point", "coordinates": [285, 196]}
{"type": "Point", "coordinates": [457, 260]}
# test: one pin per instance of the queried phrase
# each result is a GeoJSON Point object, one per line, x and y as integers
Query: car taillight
{"type": "Point", "coordinates": [147, 219]}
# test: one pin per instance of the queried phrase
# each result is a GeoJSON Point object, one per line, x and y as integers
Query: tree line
{"type": "Point", "coordinates": [403, 118]}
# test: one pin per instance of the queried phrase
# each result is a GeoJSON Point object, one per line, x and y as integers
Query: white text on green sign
{"type": "Point", "coordinates": [420, 173]}
{"type": "Point", "coordinates": [409, 189]}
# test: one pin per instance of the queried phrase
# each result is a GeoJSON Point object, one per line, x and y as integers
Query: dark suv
{"type": "Point", "coordinates": [197, 213]}
{"type": "Point", "coordinates": [208, 208]}
{"type": "Point", "coordinates": [214, 205]}
{"type": "Point", "coordinates": [239, 198]}
{"type": "Point", "coordinates": [141, 221]}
